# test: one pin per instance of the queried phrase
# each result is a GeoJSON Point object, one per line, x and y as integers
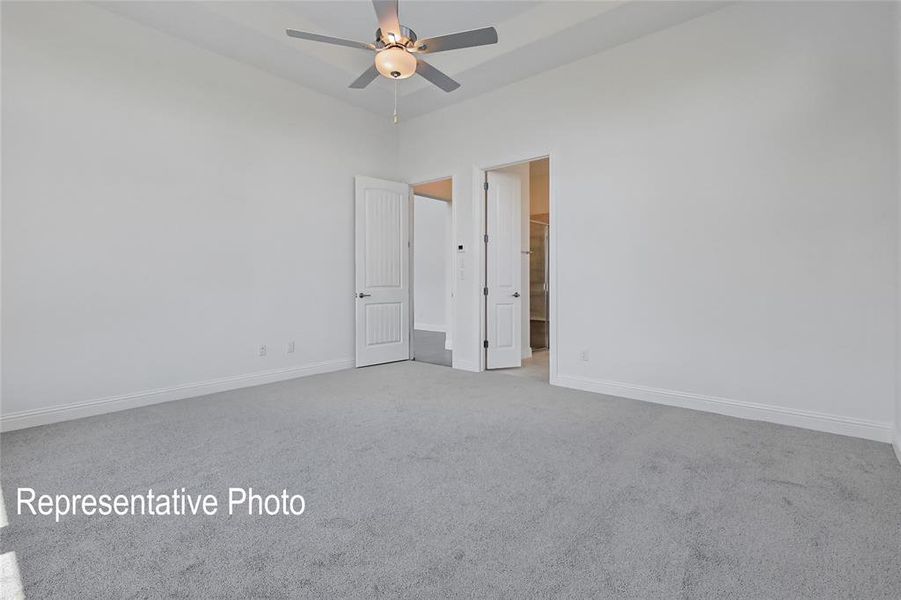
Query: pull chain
{"type": "Point", "coordinates": [395, 101]}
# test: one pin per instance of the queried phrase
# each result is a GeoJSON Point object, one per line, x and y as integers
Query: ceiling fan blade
{"type": "Point", "coordinates": [315, 37]}
{"type": "Point", "coordinates": [435, 76]}
{"type": "Point", "coordinates": [386, 12]}
{"type": "Point", "coordinates": [365, 79]}
{"type": "Point", "coordinates": [455, 41]}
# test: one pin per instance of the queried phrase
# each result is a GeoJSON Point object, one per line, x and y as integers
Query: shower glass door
{"type": "Point", "coordinates": [538, 285]}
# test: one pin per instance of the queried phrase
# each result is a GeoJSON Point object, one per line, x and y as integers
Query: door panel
{"type": "Point", "coordinates": [504, 336]}
{"type": "Point", "coordinates": [382, 271]}
{"type": "Point", "coordinates": [384, 323]}
{"type": "Point", "coordinates": [382, 221]}
{"type": "Point", "coordinates": [504, 271]}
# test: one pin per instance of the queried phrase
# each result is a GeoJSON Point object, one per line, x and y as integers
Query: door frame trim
{"type": "Point", "coordinates": [479, 177]}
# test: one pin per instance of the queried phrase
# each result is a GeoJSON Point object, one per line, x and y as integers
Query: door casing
{"type": "Point", "coordinates": [479, 178]}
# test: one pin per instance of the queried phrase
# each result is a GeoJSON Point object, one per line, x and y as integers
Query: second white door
{"type": "Point", "coordinates": [504, 272]}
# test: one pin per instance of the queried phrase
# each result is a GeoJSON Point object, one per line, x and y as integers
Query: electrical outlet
{"type": "Point", "coordinates": [583, 355]}
{"type": "Point", "coordinates": [290, 348]}
{"type": "Point", "coordinates": [262, 350]}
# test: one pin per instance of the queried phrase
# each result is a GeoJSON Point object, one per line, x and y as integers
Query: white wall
{"type": "Point", "coordinates": [724, 217]}
{"type": "Point", "coordinates": [165, 211]}
{"type": "Point", "coordinates": [897, 436]}
{"type": "Point", "coordinates": [430, 262]}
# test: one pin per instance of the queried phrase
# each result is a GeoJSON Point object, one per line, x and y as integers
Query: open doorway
{"type": "Point", "coordinates": [517, 269]}
{"type": "Point", "coordinates": [432, 272]}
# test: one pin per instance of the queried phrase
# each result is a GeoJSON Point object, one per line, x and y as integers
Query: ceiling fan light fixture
{"type": "Point", "coordinates": [396, 47]}
{"type": "Point", "coordinates": [395, 62]}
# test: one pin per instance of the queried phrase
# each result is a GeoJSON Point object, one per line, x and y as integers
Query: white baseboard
{"type": "Point", "coordinates": [896, 444]}
{"type": "Point", "coordinates": [77, 410]}
{"type": "Point", "coordinates": [860, 428]}
{"type": "Point", "coordinates": [430, 327]}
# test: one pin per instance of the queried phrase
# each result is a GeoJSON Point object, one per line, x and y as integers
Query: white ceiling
{"type": "Point", "coordinates": [533, 37]}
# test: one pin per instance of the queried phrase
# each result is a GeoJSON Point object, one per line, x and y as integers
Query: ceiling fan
{"type": "Point", "coordinates": [398, 50]}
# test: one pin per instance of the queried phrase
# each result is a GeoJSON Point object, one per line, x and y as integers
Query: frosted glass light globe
{"type": "Point", "coordinates": [395, 63]}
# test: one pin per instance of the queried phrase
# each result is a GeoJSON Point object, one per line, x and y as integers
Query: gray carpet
{"type": "Point", "coordinates": [535, 367]}
{"type": "Point", "coordinates": [425, 482]}
{"type": "Point", "coordinates": [428, 347]}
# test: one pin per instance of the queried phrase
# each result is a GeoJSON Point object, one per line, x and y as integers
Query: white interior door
{"type": "Point", "coordinates": [382, 271]}
{"type": "Point", "coordinates": [504, 271]}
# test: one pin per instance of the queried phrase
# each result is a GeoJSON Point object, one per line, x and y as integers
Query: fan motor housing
{"type": "Point", "coordinates": [407, 38]}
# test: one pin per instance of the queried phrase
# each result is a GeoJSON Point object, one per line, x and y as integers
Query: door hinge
{"type": "Point", "coordinates": [485, 344]}
{"type": "Point", "coordinates": [486, 238]}
{"type": "Point", "coordinates": [486, 186]}
{"type": "Point", "coordinates": [485, 291]}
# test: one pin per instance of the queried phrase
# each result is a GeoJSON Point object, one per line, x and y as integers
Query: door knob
{"type": "Point", "coordinates": [516, 294]}
{"type": "Point", "coordinates": [362, 295]}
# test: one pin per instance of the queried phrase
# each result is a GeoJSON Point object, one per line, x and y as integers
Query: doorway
{"type": "Point", "coordinates": [517, 315]}
{"type": "Point", "coordinates": [432, 254]}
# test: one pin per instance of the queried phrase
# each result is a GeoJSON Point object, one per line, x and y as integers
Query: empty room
{"type": "Point", "coordinates": [450, 299]}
